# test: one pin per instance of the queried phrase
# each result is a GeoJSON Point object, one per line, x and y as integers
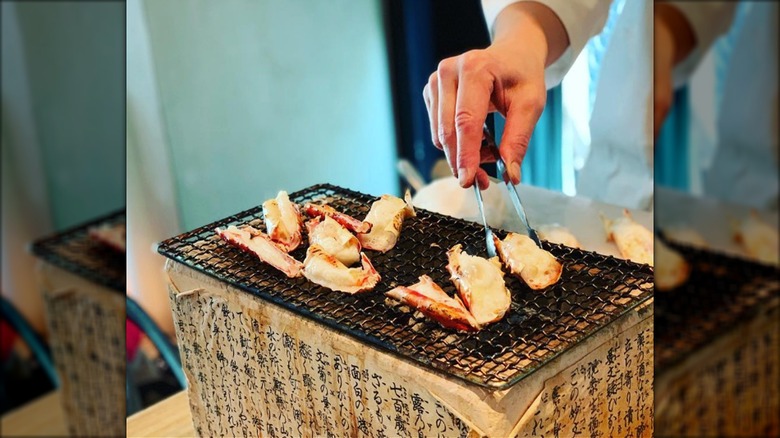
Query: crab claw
{"type": "Point", "coordinates": [387, 217]}
{"type": "Point", "coordinates": [427, 297]}
{"type": "Point", "coordinates": [334, 239]}
{"type": "Point", "coordinates": [349, 222]}
{"type": "Point", "coordinates": [480, 284]}
{"type": "Point", "coordinates": [260, 245]}
{"type": "Point", "coordinates": [283, 221]}
{"type": "Point", "coordinates": [327, 271]}
{"type": "Point", "coordinates": [535, 266]}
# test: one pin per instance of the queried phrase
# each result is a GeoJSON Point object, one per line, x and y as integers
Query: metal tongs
{"type": "Point", "coordinates": [490, 143]}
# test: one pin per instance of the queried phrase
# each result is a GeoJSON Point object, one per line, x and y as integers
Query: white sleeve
{"type": "Point", "coordinates": [708, 20]}
{"type": "Point", "coordinates": [582, 20]}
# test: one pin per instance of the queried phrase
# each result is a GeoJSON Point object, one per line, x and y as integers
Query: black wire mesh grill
{"type": "Point", "coordinates": [722, 291]}
{"type": "Point", "coordinates": [593, 291]}
{"type": "Point", "coordinates": [74, 251]}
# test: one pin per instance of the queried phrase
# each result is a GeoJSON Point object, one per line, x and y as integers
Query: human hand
{"type": "Point", "coordinates": [507, 77]}
{"type": "Point", "coordinates": [663, 64]}
{"type": "Point", "coordinates": [673, 41]}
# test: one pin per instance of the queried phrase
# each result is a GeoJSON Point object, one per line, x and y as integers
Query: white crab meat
{"type": "Point", "coordinates": [334, 239]}
{"type": "Point", "coordinates": [671, 269]}
{"type": "Point", "coordinates": [327, 271]}
{"type": "Point", "coordinates": [480, 284]}
{"type": "Point", "coordinates": [386, 217]}
{"type": "Point", "coordinates": [634, 241]}
{"type": "Point", "coordinates": [113, 236]}
{"type": "Point", "coordinates": [535, 266]}
{"type": "Point", "coordinates": [558, 234]}
{"type": "Point", "coordinates": [429, 298]}
{"type": "Point", "coordinates": [758, 239]}
{"type": "Point", "coordinates": [685, 235]}
{"type": "Point", "coordinates": [253, 241]}
{"type": "Point", "coordinates": [283, 221]}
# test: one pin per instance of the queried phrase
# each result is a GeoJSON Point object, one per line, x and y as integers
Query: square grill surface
{"type": "Point", "coordinates": [74, 251]}
{"type": "Point", "coordinates": [593, 291]}
{"type": "Point", "coordinates": [721, 292]}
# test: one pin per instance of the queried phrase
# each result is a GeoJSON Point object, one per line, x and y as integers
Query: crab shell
{"type": "Point", "coordinates": [326, 270]}
{"type": "Point", "coordinates": [261, 246]}
{"type": "Point", "coordinates": [349, 222]}
{"type": "Point", "coordinates": [283, 221]}
{"type": "Point", "coordinates": [427, 297]}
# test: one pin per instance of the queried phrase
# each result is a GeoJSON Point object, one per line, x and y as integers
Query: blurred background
{"type": "Point", "coordinates": [717, 323]}
{"type": "Point", "coordinates": [63, 159]}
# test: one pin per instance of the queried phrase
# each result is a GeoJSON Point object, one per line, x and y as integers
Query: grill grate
{"type": "Point", "coordinates": [74, 251]}
{"type": "Point", "coordinates": [593, 291]}
{"type": "Point", "coordinates": [721, 292]}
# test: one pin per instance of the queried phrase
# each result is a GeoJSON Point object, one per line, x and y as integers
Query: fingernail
{"type": "Point", "coordinates": [465, 175]}
{"type": "Point", "coordinates": [514, 172]}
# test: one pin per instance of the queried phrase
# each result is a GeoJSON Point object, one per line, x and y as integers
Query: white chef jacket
{"type": "Point", "coordinates": [744, 168]}
{"type": "Point", "coordinates": [619, 168]}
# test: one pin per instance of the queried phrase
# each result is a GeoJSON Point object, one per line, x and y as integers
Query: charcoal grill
{"type": "Point", "coordinates": [593, 291]}
{"type": "Point", "coordinates": [722, 292]}
{"type": "Point", "coordinates": [74, 251]}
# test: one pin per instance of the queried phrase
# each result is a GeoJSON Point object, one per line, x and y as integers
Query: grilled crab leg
{"type": "Point", "coordinates": [634, 241]}
{"type": "Point", "coordinates": [387, 217]}
{"type": "Point", "coordinates": [558, 234]}
{"type": "Point", "coordinates": [349, 222]}
{"type": "Point", "coordinates": [112, 236]}
{"type": "Point", "coordinates": [255, 242]}
{"type": "Point", "coordinates": [427, 297]}
{"type": "Point", "coordinates": [334, 239]}
{"type": "Point", "coordinates": [327, 271]}
{"type": "Point", "coordinates": [671, 270]}
{"type": "Point", "coordinates": [480, 284]}
{"type": "Point", "coordinates": [758, 239]}
{"type": "Point", "coordinates": [535, 266]}
{"type": "Point", "coordinates": [283, 221]}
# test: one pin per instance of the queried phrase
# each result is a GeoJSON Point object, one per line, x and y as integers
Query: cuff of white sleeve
{"type": "Point", "coordinates": [708, 21]}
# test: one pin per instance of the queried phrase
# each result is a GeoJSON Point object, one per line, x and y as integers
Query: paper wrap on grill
{"type": "Point", "coordinates": [255, 368]}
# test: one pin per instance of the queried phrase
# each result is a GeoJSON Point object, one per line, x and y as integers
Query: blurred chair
{"type": "Point", "coordinates": [14, 393]}
{"type": "Point", "coordinates": [139, 323]}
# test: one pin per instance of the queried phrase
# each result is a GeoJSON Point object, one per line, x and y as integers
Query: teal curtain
{"type": "Point", "coordinates": [542, 164]}
{"type": "Point", "coordinates": [672, 145]}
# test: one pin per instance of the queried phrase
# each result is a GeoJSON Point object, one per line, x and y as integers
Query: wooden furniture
{"type": "Point", "coordinates": [169, 418]}
{"type": "Point", "coordinates": [40, 417]}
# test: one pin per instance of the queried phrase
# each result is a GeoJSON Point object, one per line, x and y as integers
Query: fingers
{"type": "Point", "coordinates": [431, 97]}
{"type": "Point", "coordinates": [471, 109]}
{"type": "Point", "coordinates": [447, 96]}
{"type": "Point", "coordinates": [524, 107]}
{"type": "Point", "coordinates": [482, 179]}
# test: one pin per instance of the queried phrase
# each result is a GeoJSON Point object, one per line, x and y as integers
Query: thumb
{"type": "Point", "coordinates": [522, 114]}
